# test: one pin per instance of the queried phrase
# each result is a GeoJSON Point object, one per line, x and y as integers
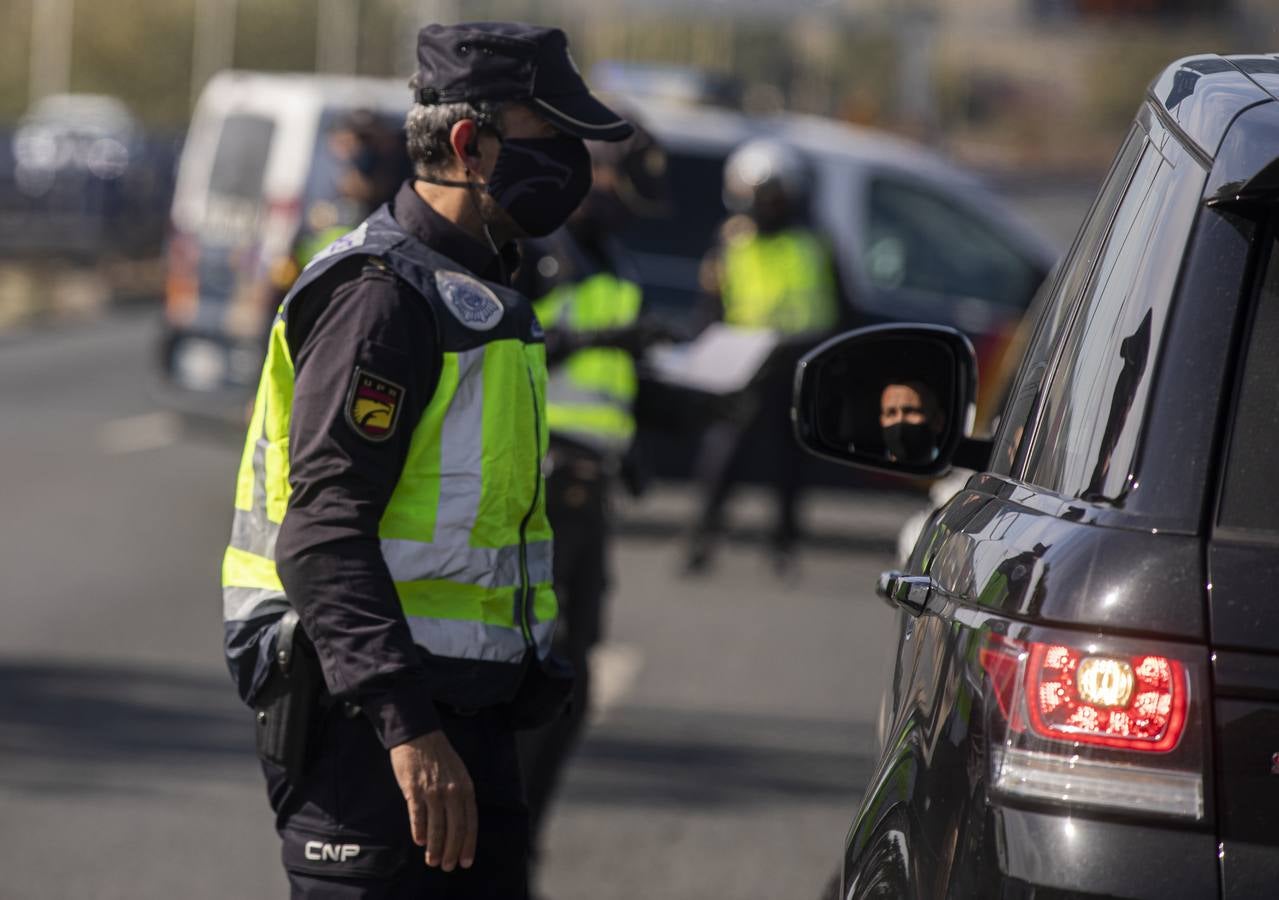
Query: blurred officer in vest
{"type": "Point", "coordinates": [770, 271]}
{"type": "Point", "coordinates": [588, 300]}
{"type": "Point", "coordinates": [363, 166]}
{"type": "Point", "coordinates": [387, 590]}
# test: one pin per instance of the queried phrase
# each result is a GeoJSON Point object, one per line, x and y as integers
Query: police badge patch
{"type": "Point", "coordinates": [470, 300]}
{"type": "Point", "coordinates": [373, 405]}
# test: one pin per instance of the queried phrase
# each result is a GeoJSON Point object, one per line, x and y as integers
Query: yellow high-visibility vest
{"type": "Point", "coordinates": [783, 281]}
{"type": "Point", "coordinates": [591, 395]}
{"type": "Point", "coordinates": [465, 535]}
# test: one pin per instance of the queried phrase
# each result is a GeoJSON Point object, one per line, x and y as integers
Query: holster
{"type": "Point", "coordinates": [288, 705]}
{"type": "Point", "coordinates": [545, 693]}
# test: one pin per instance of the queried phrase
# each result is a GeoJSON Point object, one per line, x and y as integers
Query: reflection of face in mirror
{"type": "Point", "coordinates": [911, 420]}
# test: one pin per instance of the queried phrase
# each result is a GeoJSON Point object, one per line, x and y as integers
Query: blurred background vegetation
{"type": "Point", "coordinates": [990, 80]}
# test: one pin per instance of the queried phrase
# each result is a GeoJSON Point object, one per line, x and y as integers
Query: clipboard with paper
{"type": "Point", "coordinates": [722, 360]}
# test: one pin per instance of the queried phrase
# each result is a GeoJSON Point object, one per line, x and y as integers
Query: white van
{"type": "Point", "coordinates": [274, 166]}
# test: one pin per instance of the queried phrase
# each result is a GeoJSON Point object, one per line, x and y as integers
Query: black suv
{"type": "Point", "coordinates": [1086, 694]}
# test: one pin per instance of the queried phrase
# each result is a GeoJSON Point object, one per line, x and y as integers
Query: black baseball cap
{"type": "Point", "coordinates": [499, 61]}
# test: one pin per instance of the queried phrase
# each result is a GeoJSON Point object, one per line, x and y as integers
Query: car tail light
{"type": "Point", "coordinates": [1093, 727]}
{"type": "Point", "coordinates": [182, 287]}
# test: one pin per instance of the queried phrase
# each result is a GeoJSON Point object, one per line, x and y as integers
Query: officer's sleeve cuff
{"type": "Point", "coordinates": [401, 711]}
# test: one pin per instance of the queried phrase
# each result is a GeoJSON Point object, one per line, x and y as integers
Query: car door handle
{"type": "Point", "coordinates": [910, 592]}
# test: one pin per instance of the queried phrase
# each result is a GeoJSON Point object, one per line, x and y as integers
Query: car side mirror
{"type": "Point", "coordinates": [897, 398]}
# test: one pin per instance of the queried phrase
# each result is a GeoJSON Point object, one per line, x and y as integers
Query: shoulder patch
{"type": "Point", "coordinates": [346, 242]}
{"type": "Point", "coordinates": [373, 405]}
{"type": "Point", "coordinates": [470, 301]}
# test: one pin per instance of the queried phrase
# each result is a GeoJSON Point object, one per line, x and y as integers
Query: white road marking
{"type": "Point", "coordinates": [614, 668]}
{"type": "Point", "coordinates": [149, 431]}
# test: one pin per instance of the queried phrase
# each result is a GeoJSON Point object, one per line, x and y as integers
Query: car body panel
{"type": "Point", "coordinates": [1148, 568]}
{"type": "Point", "coordinates": [1024, 562]}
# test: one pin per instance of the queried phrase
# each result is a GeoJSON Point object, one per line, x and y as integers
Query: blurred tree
{"type": "Point", "coordinates": [276, 35]}
{"type": "Point", "coordinates": [137, 50]}
{"type": "Point", "coordinates": [14, 62]}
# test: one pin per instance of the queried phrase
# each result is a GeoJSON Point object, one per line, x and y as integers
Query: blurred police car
{"type": "Point", "coordinates": [76, 180]}
{"type": "Point", "coordinates": [274, 167]}
{"type": "Point", "coordinates": [913, 235]}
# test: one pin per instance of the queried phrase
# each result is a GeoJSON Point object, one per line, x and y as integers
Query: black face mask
{"type": "Point", "coordinates": [540, 181]}
{"type": "Point", "coordinates": [914, 444]}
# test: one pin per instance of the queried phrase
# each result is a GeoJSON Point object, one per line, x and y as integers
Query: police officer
{"type": "Point", "coordinates": [390, 493]}
{"type": "Point", "coordinates": [588, 300]}
{"type": "Point", "coordinates": [363, 168]}
{"type": "Point", "coordinates": [770, 271]}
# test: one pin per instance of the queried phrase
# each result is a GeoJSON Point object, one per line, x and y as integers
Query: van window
{"type": "Point", "coordinates": [1056, 299]}
{"type": "Point", "coordinates": [358, 162]}
{"type": "Point", "coordinates": [917, 240]}
{"type": "Point", "coordinates": [239, 165]}
{"type": "Point", "coordinates": [234, 201]}
{"type": "Point", "coordinates": [1250, 499]}
{"type": "Point", "coordinates": [1087, 436]}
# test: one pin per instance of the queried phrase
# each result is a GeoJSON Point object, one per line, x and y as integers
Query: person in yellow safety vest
{"type": "Point", "coordinates": [357, 168]}
{"type": "Point", "coordinates": [590, 303]}
{"type": "Point", "coordinates": [771, 271]}
{"type": "Point", "coordinates": [387, 599]}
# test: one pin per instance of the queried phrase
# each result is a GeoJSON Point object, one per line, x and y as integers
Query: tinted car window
{"type": "Point", "coordinates": [1054, 302]}
{"type": "Point", "coordinates": [358, 156]}
{"type": "Point", "coordinates": [239, 164]}
{"type": "Point", "coordinates": [667, 250]}
{"type": "Point", "coordinates": [358, 163]}
{"type": "Point", "coordinates": [1090, 421]}
{"type": "Point", "coordinates": [1250, 499]}
{"type": "Point", "coordinates": [918, 240]}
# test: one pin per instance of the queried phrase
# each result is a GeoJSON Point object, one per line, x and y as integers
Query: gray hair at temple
{"type": "Point", "coordinates": [427, 129]}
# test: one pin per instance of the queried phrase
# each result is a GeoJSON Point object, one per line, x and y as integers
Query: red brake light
{"type": "Point", "coordinates": [1071, 719]}
{"type": "Point", "coordinates": [1148, 714]}
{"type": "Point", "coordinates": [1135, 702]}
{"type": "Point", "coordinates": [182, 288]}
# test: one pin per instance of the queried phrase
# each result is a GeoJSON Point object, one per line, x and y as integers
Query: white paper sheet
{"type": "Point", "coordinates": [722, 360]}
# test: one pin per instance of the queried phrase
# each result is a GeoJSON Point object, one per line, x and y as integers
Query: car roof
{"type": "Point", "coordinates": [691, 126]}
{"type": "Point", "coordinates": [834, 146]}
{"type": "Point", "coordinates": [313, 89]}
{"type": "Point", "coordinates": [81, 112]}
{"type": "Point", "coordinates": [1201, 95]}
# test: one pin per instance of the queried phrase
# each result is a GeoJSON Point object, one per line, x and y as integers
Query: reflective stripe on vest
{"type": "Point", "coordinates": [591, 394]}
{"type": "Point", "coordinates": [464, 535]}
{"type": "Point", "coordinates": [782, 281]}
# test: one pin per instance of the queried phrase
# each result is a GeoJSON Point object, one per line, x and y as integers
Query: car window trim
{"type": "Point", "coordinates": [1166, 119]}
{"type": "Point", "coordinates": [945, 196]}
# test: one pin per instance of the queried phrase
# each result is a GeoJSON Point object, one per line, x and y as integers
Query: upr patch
{"type": "Point", "coordinates": [373, 405]}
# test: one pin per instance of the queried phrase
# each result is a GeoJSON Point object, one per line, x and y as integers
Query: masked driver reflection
{"type": "Point", "coordinates": [912, 422]}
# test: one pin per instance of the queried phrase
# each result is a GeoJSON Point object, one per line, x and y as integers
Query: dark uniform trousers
{"type": "Point", "coordinates": [756, 425]}
{"type": "Point", "coordinates": [346, 831]}
{"type": "Point", "coordinates": [576, 505]}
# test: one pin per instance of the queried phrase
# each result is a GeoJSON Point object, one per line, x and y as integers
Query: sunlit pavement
{"type": "Point", "coordinates": [734, 738]}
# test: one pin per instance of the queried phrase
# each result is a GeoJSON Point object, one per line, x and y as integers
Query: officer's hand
{"type": "Point", "coordinates": [642, 334]}
{"type": "Point", "coordinates": [441, 799]}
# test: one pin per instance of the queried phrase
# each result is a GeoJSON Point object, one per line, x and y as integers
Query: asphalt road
{"type": "Point", "coordinates": [737, 725]}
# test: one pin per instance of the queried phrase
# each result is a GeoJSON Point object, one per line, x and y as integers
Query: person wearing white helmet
{"type": "Point", "coordinates": [771, 271]}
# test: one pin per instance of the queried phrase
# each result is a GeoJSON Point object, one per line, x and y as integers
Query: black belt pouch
{"type": "Point", "coordinates": [287, 706]}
